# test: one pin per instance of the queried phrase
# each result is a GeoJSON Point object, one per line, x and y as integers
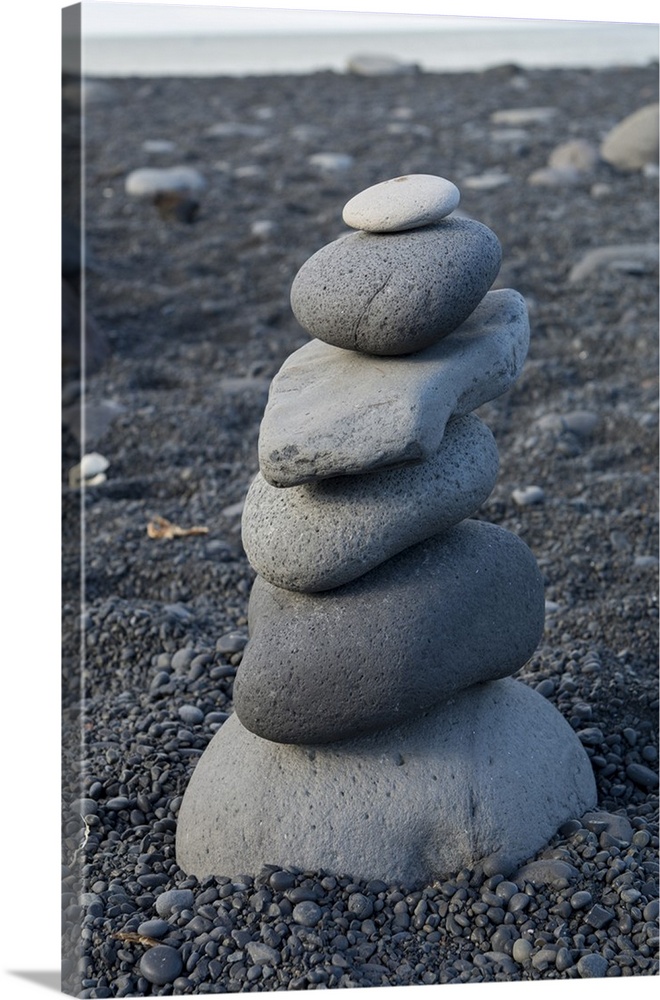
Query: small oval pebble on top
{"type": "Point", "coordinates": [401, 203]}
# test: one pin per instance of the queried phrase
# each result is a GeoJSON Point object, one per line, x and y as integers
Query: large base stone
{"type": "Point", "coordinates": [484, 780]}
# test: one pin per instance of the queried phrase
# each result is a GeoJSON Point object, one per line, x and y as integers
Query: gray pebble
{"type": "Point", "coordinates": [360, 905]}
{"type": "Point", "coordinates": [307, 913]}
{"type": "Point", "coordinates": [117, 803]}
{"type": "Point", "coordinates": [174, 898]}
{"type": "Point", "coordinates": [642, 776]}
{"type": "Point", "coordinates": [191, 715]}
{"type": "Point", "coordinates": [546, 688]}
{"type": "Point", "coordinates": [231, 642]}
{"type": "Point", "coordinates": [262, 954]}
{"type": "Point", "coordinates": [182, 659]}
{"type": "Point", "coordinates": [580, 422]}
{"type": "Point", "coordinates": [281, 880]}
{"type": "Point", "coordinates": [563, 960]}
{"type": "Point", "coordinates": [592, 966]}
{"type": "Point", "coordinates": [579, 900]}
{"type": "Point", "coordinates": [645, 562]}
{"type": "Point", "coordinates": [522, 951]}
{"type": "Point", "coordinates": [519, 902]}
{"type": "Point", "coordinates": [544, 958]}
{"type": "Point", "coordinates": [506, 890]}
{"type": "Point", "coordinates": [591, 736]}
{"type": "Point", "coordinates": [161, 964]}
{"type": "Point", "coordinates": [154, 928]}
{"type": "Point", "coordinates": [599, 917]}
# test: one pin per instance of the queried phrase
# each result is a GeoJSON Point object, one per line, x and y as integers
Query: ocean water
{"type": "Point", "coordinates": [540, 45]}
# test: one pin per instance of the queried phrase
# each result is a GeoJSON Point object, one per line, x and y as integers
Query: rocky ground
{"type": "Point", "coordinates": [191, 306]}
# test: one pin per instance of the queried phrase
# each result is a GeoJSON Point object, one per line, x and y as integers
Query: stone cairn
{"type": "Point", "coordinates": [377, 730]}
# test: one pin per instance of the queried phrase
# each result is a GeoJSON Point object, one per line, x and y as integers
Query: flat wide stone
{"type": "Point", "coordinates": [482, 781]}
{"type": "Point", "coordinates": [320, 535]}
{"type": "Point", "coordinates": [457, 609]}
{"type": "Point", "coordinates": [396, 293]}
{"type": "Point", "coordinates": [402, 203]}
{"type": "Point", "coordinates": [332, 412]}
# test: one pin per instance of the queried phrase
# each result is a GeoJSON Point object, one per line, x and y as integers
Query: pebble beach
{"type": "Point", "coordinates": [188, 321]}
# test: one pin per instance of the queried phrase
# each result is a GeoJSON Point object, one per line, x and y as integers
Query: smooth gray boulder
{"type": "Point", "coordinates": [633, 142]}
{"type": "Point", "coordinates": [320, 535]}
{"type": "Point", "coordinates": [401, 203]}
{"type": "Point", "coordinates": [332, 412]}
{"type": "Point", "coordinates": [396, 293]}
{"type": "Point", "coordinates": [457, 609]}
{"type": "Point", "coordinates": [482, 781]}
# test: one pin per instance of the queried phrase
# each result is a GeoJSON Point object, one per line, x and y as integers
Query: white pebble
{"type": "Point", "coordinates": [527, 495]}
{"type": "Point", "coordinates": [486, 182]}
{"type": "Point", "coordinates": [90, 470]}
{"type": "Point", "coordinates": [151, 180]}
{"type": "Point", "coordinates": [331, 161]}
{"type": "Point", "coordinates": [402, 203]}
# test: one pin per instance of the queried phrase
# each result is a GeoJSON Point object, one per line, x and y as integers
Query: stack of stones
{"type": "Point", "coordinates": [377, 730]}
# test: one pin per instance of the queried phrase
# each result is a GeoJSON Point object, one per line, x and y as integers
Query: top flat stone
{"type": "Point", "coordinates": [401, 203]}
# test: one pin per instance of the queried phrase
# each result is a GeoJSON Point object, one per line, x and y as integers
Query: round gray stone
{"type": "Point", "coordinates": [308, 913]}
{"type": "Point", "coordinates": [173, 898]}
{"type": "Point", "coordinates": [320, 535]}
{"type": "Point", "coordinates": [522, 950]}
{"type": "Point", "coordinates": [396, 293]}
{"type": "Point", "coordinates": [455, 610]}
{"type": "Point", "coordinates": [402, 203]}
{"type": "Point", "coordinates": [407, 804]}
{"type": "Point", "coordinates": [161, 964]}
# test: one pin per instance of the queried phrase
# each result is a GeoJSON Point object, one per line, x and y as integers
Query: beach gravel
{"type": "Point", "coordinates": [193, 312]}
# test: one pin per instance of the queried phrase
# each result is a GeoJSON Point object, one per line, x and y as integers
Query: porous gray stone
{"type": "Point", "coordinates": [396, 293]}
{"type": "Point", "coordinates": [402, 203]}
{"type": "Point", "coordinates": [448, 790]}
{"type": "Point", "coordinates": [457, 609]}
{"type": "Point", "coordinates": [332, 412]}
{"type": "Point", "coordinates": [324, 534]}
{"type": "Point", "coordinates": [633, 142]}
